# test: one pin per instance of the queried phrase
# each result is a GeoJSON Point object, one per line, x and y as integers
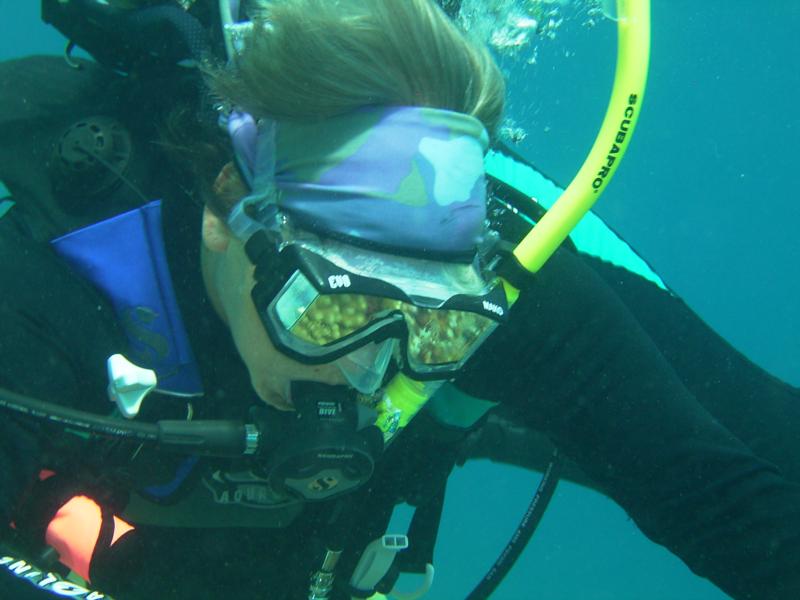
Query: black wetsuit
{"type": "Point", "coordinates": [698, 445]}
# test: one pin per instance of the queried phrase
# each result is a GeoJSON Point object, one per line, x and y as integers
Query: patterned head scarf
{"type": "Point", "coordinates": [404, 179]}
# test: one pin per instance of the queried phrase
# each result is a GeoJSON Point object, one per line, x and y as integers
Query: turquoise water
{"type": "Point", "coordinates": [706, 194]}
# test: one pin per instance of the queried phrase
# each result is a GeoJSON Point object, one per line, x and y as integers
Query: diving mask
{"type": "Point", "coordinates": [321, 301]}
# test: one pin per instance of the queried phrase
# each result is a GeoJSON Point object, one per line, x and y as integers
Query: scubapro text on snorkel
{"type": "Point", "coordinates": [614, 152]}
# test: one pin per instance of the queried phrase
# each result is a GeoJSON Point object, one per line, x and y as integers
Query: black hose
{"type": "Point", "coordinates": [77, 419]}
{"type": "Point", "coordinates": [206, 437]}
{"type": "Point", "coordinates": [530, 521]}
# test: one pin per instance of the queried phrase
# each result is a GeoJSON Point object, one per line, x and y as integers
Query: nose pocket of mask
{"type": "Point", "coordinates": [366, 367]}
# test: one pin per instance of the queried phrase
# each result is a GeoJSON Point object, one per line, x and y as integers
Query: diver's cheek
{"type": "Point", "coordinates": [328, 374]}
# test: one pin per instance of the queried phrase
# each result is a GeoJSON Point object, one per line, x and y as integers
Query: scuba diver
{"type": "Point", "coordinates": [290, 296]}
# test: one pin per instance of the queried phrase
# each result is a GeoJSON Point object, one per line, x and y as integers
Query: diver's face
{"type": "Point", "coordinates": [228, 275]}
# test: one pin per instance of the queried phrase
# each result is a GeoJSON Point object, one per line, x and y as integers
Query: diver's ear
{"type": "Point", "coordinates": [216, 235]}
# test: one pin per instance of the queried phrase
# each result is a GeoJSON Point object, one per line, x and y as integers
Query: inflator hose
{"type": "Point", "coordinates": [522, 535]}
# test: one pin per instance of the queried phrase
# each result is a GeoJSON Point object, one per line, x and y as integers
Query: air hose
{"type": "Point", "coordinates": [523, 533]}
{"type": "Point", "coordinates": [206, 438]}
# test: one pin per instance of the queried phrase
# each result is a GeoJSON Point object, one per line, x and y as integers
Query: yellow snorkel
{"type": "Point", "coordinates": [404, 397]}
{"type": "Point", "coordinates": [613, 139]}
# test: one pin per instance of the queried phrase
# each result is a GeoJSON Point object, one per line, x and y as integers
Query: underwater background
{"type": "Point", "coordinates": [707, 195]}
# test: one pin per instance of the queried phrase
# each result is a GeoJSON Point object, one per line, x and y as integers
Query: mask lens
{"type": "Point", "coordinates": [322, 320]}
{"type": "Point", "coordinates": [439, 337]}
{"type": "Point", "coordinates": [436, 337]}
{"type": "Point", "coordinates": [293, 302]}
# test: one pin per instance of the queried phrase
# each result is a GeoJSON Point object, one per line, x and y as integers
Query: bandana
{"type": "Point", "coordinates": [403, 179]}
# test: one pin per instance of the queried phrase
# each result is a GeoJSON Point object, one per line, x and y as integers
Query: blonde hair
{"type": "Point", "coordinates": [319, 58]}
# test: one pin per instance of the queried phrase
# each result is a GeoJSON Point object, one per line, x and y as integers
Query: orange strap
{"type": "Point", "coordinates": [75, 529]}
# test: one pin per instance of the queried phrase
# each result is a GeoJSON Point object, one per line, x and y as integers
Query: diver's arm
{"type": "Point", "coordinates": [55, 332]}
{"type": "Point", "coordinates": [15, 586]}
{"type": "Point", "coordinates": [576, 365]}
{"type": "Point", "coordinates": [19, 463]}
{"type": "Point", "coordinates": [761, 410]}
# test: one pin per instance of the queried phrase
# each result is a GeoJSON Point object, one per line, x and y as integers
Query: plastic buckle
{"type": "Point", "coordinates": [128, 384]}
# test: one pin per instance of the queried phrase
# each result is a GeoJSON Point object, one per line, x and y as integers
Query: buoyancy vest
{"type": "Point", "coordinates": [125, 258]}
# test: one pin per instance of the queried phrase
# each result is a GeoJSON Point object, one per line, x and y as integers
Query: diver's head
{"type": "Point", "coordinates": [361, 173]}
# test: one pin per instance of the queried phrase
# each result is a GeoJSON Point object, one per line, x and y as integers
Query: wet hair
{"type": "Point", "coordinates": [319, 58]}
{"type": "Point", "coordinates": [197, 150]}
{"type": "Point", "coordinates": [309, 59]}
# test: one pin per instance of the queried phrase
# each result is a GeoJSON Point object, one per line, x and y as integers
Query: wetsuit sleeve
{"type": "Point", "coordinates": [576, 365]}
{"type": "Point", "coordinates": [14, 584]}
{"type": "Point", "coordinates": [760, 409]}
